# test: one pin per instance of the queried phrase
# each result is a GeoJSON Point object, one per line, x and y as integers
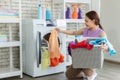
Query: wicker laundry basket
{"type": "Point", "coordinates": [84, 58]}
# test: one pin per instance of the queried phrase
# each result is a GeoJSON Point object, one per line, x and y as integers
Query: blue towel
{"type": "Point", "coordinates": [101, 40]}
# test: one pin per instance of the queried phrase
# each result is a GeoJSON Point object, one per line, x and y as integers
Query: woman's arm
{"type": "Point", "coordinates": [104, 46]}
{"type": "Point", "coordinates": [70, 32]}
{"type": "Point", "coordinates": [103, 34]}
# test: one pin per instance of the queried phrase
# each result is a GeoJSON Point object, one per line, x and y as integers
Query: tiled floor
{"type": "Point", "coordinates": [109, 71]}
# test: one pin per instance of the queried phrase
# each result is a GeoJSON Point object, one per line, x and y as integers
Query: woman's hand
{"type": "Point", "coordinates": [58, 29]}
{"type": "Point", "coordinates": [104, 47]}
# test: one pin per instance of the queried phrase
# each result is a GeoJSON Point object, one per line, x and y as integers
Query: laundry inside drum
{"type": "Point", "coordinates": [46, 39]}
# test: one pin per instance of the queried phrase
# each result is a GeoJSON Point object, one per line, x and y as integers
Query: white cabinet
{"type": "Point", "coordinates": [59, 12]}
{"type": "Point", "coordinates": [12, 47]}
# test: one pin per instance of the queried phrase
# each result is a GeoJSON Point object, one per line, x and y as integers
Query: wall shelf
{"type": "Point", "coordinates": [72, 1]}
{"type": "Point", "coordinates": [9, 20]}
{"type": "Point", "coordinates": [10, 69]}
{"type": "Point", "coordinates": [77, 1]}
{"type": "Point", "coordinates": [9, 44]}
{"type": "Point", "coordinates": [75, 20]}
{"type": "Point", "coordinates": [8, 72]}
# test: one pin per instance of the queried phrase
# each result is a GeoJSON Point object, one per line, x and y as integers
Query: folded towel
{"type": "Point", "coordinates": [9, 14]}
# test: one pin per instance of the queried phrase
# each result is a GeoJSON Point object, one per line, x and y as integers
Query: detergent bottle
{"type": "Point", "coordinates": [48, 13]}
{"type": "Point", "coordinates": [39, 11]}
{"type": "Point", "coordinates": [75, 13]}
{"type": "Point", "coordinates": [67, 13]}
{"type": "Point", "coordinates": [79, 13]}
{"type": "Point", "coordinates": [44, 12]}
{"type": "Point", "coordinates": [76, 41]}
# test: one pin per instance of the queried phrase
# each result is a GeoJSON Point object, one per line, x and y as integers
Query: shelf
{"type": "Point", "coordinates": [8, 72]}
{"type": "Point", "coordinates": [77, 1]}
{"type": "Point", "coordinates": [9, 20]}
{"type": "Point", "coordinates": [9, 44]}
{"type": "Point", "coordinates": [72, 1]}
{"type": "Point", "coordinates": [75, 20]}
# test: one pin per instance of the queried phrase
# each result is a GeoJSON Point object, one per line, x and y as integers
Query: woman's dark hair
{"type": "Point", "coordinates": [94, 16]}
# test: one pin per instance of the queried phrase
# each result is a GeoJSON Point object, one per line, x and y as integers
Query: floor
{"type": "Point", "coordinates": [109, 71]}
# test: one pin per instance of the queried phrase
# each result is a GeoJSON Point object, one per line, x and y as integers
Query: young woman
{"type": "Point", "coordinates": [92, 29]}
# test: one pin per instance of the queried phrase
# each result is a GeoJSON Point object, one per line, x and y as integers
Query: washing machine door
{"type": "Point", "coordinates": [38, 43]}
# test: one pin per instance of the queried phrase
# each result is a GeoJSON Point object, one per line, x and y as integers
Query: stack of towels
{"type": "Point", "coordinates": [5, 13]}
{"type": "Point", "coordinates": [3, 38]}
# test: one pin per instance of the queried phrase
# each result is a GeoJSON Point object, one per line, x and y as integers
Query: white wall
{"type": "Point", "coordinates": [110, 18]}
{"type": "Point", "coordinates": [96, 5]}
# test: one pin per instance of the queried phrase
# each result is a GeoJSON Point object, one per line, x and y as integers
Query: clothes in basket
{"type": "Point", "coordinates": [84, 58]}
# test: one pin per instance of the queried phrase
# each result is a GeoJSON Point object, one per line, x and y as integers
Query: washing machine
{"type": "Point", "coordinates": [36, 34]}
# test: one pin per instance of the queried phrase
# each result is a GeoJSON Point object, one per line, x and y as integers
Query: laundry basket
{"type": "Point", "coordinates": [84, 58]}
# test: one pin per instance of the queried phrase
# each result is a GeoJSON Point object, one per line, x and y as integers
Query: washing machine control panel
{"type": "Point", "coordinates": [51, 23]}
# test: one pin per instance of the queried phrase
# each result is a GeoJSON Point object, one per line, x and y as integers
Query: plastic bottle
{"type": "Point", "coordinates": [48, 13]}
{"type": "Point", "coordinates": [79, 13]}
{"type": "Point", "coordinates": [39, 11]}
{"type": "Point", "coordinates": [75, 13]}
{"type": "Point", "coordinates": [43, 13]}
{"type": "Point", "coordinates": [76, 41]}
{"type": "Point", "coordinates": [67, 13]}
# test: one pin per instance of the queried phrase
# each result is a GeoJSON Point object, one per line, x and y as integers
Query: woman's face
{"type": "Point", "coordinates": [89, 23]}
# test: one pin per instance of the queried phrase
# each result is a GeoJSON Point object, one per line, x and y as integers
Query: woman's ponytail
{"type": "Point", "coordinates": [100, 26]}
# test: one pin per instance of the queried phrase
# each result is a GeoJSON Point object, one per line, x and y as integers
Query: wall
{"type": "Point", "coordinates": [29, 7]}
{"type": "Point", "coordinates": [96, 5]}
{"type": "Point", "coordinates": [110, 18]}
